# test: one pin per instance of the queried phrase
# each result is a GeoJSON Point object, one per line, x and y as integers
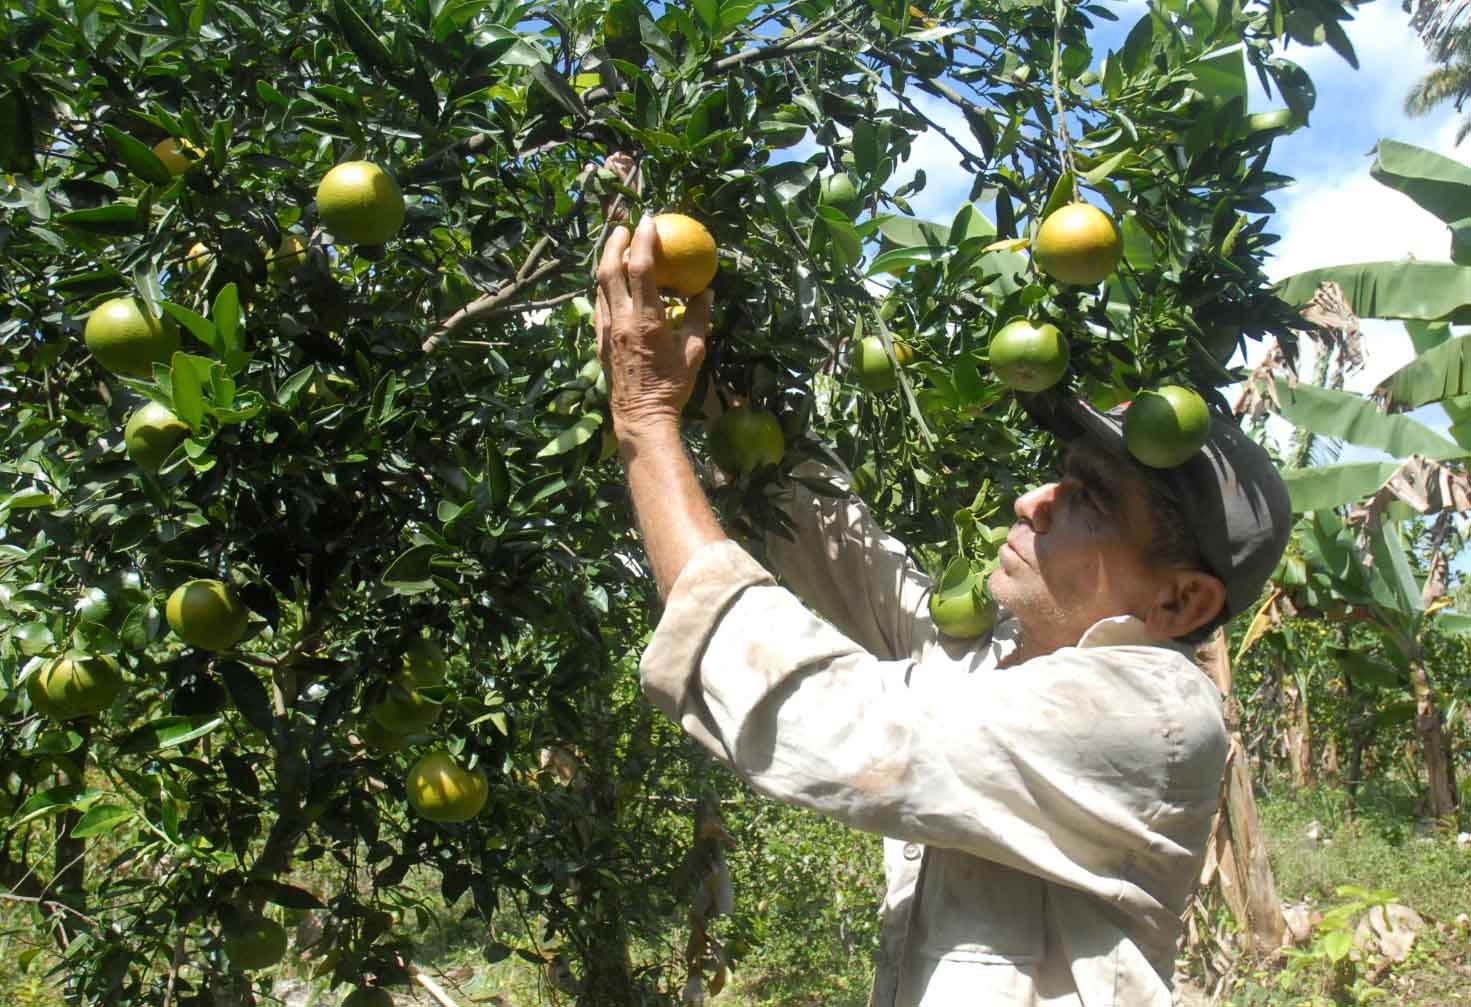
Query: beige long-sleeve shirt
{"type": "Point", "coordinates": [1044, 823]}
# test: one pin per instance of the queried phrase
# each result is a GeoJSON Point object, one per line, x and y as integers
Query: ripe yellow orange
{"type": "Point", "coordinates": [1164, 428]}
{"type": "Point", "coordinates": [442, 790]}
{"type": "Point", "coordinates": [176, 155]}
{"type": "Point", "coordinates": [685, 260]}
{"type": "Point", "coordinates": [151, 433]}
{"type": "Point", "coordinates": [74, 687]}
{"type": "Point", "coordinates": [1078, 244]}
{"type": "Point", "coordinates": [127, 339]}
{"type": "Point", "coordinates": [744, 439]}
{"type": "Point", "coordinates": [360, 203]}
{"type": "Point", "coordinates": [255, 943]}
{"type": "Point", "coordinates": [1027, 357]}
{"type": "Point", "coordinates": [872, 367]}
{"type": "Point", "coordinates": [207, 614]}
{"type": "Point", "coordinates": [198, 259]}
{"type": "Point", "coordinates": [290, 254]}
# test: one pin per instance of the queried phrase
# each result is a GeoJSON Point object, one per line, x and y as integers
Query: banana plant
{"type": "Point", "coordinates": [1368, 526]}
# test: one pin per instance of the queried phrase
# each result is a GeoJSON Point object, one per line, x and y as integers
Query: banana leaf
{"type": "Point", "coordinates": [1327, 486]}
{"type": "Point", "coordinates": [1442, 372]}
{"type": "Point", "coordinates": [1427, 291]}
{"type": "Point", "coordinates": [1357, 420]}
{"type": "Point", "coordinates": [1438, 183]}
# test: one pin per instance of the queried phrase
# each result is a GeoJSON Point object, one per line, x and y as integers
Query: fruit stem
{"type": "Point", "coordinates": [1064, 142]}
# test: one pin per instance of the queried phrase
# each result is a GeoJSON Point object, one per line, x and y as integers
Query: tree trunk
{"type": "Point", "coordinates": [1237, 855]}
{"type": "Point", "coordinates": [1299, 732]}
{"type": "Point", "coordinates": [1430, 729]}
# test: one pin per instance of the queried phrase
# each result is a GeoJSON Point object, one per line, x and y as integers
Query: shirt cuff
{"type": "Point", "coordinates": [711, 580]}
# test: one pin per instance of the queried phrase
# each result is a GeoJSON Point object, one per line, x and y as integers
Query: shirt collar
{"type": "Point", "coordinates": [1128, 631]}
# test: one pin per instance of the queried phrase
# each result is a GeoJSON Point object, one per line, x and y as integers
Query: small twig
{"type": "Point", "coordinates": [486, 306]}
{"type": "Point", "coordinates": [51, 905]}
{"type": "Point", "coordinates": [168, 990]}
{"type": "Point", "coordinates": [433, 988]}
{"type": "Point", "coordinates": [1064, 143]}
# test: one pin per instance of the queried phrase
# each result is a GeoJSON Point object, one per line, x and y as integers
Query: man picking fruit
{"type": "Point", "coordinates": [1046, 792]}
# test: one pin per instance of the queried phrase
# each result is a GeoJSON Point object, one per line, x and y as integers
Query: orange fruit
{"type": "Point", "coordinates": [290, 254]}
{"type": "Point", "coordinates": [872, 367]}
{"type": "Point", "coordinates": [360, 203]}
{"type": "Point", "coordinates": [256, 943]}
{"type": "Point", "coordinates": [152, 432]}
{"type": "Point", "coordinates": [126, 339]}
{"type": "Point", "coordinates": [442, 790]}
{"type": "Point", "coordinates": [841, 192]}
{"type": "Point", "coordinates": [1165, 427]}
{"type": "Point", "coordinates": [1078, 244]}
{"type": "Point", "coordinates": [744, 439]}
{"type": "Point", "coordinates": [176, 155]}
{"type": "Point", "coordinates": [198, 259]}
{"type": "Point", "coordinates": [685, 259]}
{"type": "Point", "coordinates": [207, 614]}
{"type": "Point", "coordinates": [960, 605]}
{"type": "Point", "coordinates": [74, 687]}
{"type": "Point", "coordinates": [1027, 357]}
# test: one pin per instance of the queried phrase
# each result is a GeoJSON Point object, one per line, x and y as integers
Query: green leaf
{"type": "Point", "coordinates": [289, 896]}
{"type": "Point", "coordinates": [1442, 372]}
{"type": "Point", "coordinates": [53, 801]}
{"type": "Point", "coordinates": [1337, 943]}
{"type": "Point", "coordinates": [1327, 486]}
{"type": "Point", "coordinates": [199, 327]}
{"type": "Point", "coordinates": [139, 158]}
{"type": "Point", "coordinates": [897, 260]}
{"type": "Point", "coordinates": [115, 219]}
{"type": "Point", "coordinates": [226, 317]}
{"type": "Point", "coordinates": [248, 694]}
{"type": "Point", "coordinates": [1221, 75]}
{"type": "Point", "coordinates": [1429, 291]}
{"type": "Point", "coordinates": [1437, 183]}
{"type": "Point", "coordinates": [168, 732]}
{"type": "Point", "coordinates": [411, 570]}
{"type": "Point", "coordinates": [1392, 567]}
{"type": "Point", "coordinates": [1453, 622]}
{"type": "Point", "coordinates": [188, 391]}
{"type": "Point", "coordinates": [1357, 420]}
{"type": "Point", "coordinates": [1367, 671]}
{"type": "Point", "coordinates": [34, 638]}
{"type": "Point", "coordinates": [368, 47]}
{"type": "Point", "coordinates": [1062, 195]}
{"type": "Point", "coordinates": [100, 819]}
{"type": "Point", "coordinates": [270, 95]}
{"type": "Point", "coordinates": [1426, 335]}
{"type": "Point", "coordinates": [574, 436]}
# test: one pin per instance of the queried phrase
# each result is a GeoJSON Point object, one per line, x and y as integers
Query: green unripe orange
{"type": "Point", "coordinates": [207, 614]}
{"type": "Point", "coordinates": [1165, 427]}
{"type": "Point", "coordinates": [360, 203]}
{"type": "Point", "coordinates": [1027, 357]}
{"type": "Point", "coordinates": [128, 340]}
{"type": "Point", "coordinates": [1078, 243]}
{"type": "Point", "coordinates": [442, 790]}
{"type": "Point", "coordinates": [151, 434]}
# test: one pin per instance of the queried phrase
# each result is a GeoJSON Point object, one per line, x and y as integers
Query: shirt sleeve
{"type": "Point", "coordinates": [854, 574]}
{"type": "Point", "coordinates": [1065, 766]}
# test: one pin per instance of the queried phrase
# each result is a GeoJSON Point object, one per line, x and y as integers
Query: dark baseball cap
{"type": "Point", "coordinates": [1229, 492]}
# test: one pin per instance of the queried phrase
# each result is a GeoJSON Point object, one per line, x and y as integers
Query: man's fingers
{"type": "Point", "coordinates": [612, 281]}
{"type": "Point", "coordinates": [697, 313]}
{"type": "Point", "coordinates": [641, 285]}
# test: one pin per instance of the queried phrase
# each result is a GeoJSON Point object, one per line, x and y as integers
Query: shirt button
{"type": "Point", "coordinates": [912, 851]}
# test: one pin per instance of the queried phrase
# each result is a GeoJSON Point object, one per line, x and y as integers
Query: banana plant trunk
{"type": "Point", "coordinates": [1436, 750]}
{"type": "Point", "coordinates": [1237, 857]}
{"type": "Point", "coordinates": [1299, 730]}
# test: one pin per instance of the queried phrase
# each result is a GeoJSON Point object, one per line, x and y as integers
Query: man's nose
{"type": "Point", "coordinates": [1035, 506]}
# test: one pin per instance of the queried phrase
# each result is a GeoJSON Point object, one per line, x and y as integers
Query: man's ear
{"type": "Point", "coordinates": [1187, 600]}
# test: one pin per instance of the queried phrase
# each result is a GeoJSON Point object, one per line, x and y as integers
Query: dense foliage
{"type": "Point", "coordinates": [394, 443]}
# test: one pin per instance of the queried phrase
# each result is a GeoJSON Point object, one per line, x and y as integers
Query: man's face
{"type": "Point", "coordinates": [1077, 553]}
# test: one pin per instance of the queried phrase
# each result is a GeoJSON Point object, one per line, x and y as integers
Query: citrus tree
{"type": "Point", "coordinates": [316, 561]}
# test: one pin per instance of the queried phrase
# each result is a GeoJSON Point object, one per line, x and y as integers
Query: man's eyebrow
{"type": "Point", "coordinates": [1089, 469]}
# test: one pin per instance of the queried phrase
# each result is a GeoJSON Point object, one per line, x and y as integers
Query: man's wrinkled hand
{"type": "Point", "coordinates": [651, 365]}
